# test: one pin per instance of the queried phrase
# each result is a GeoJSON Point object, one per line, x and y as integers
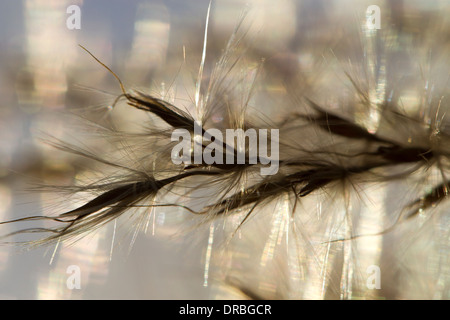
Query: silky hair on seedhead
{"type": "Point", "coordinates": [358, 130]}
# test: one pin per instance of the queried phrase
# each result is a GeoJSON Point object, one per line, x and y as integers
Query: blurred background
{"type": "Point", "coordinates": [43, 72]}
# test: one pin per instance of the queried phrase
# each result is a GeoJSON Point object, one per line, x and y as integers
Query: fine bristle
{"type": "Point", "coordinates": [349, 165]}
